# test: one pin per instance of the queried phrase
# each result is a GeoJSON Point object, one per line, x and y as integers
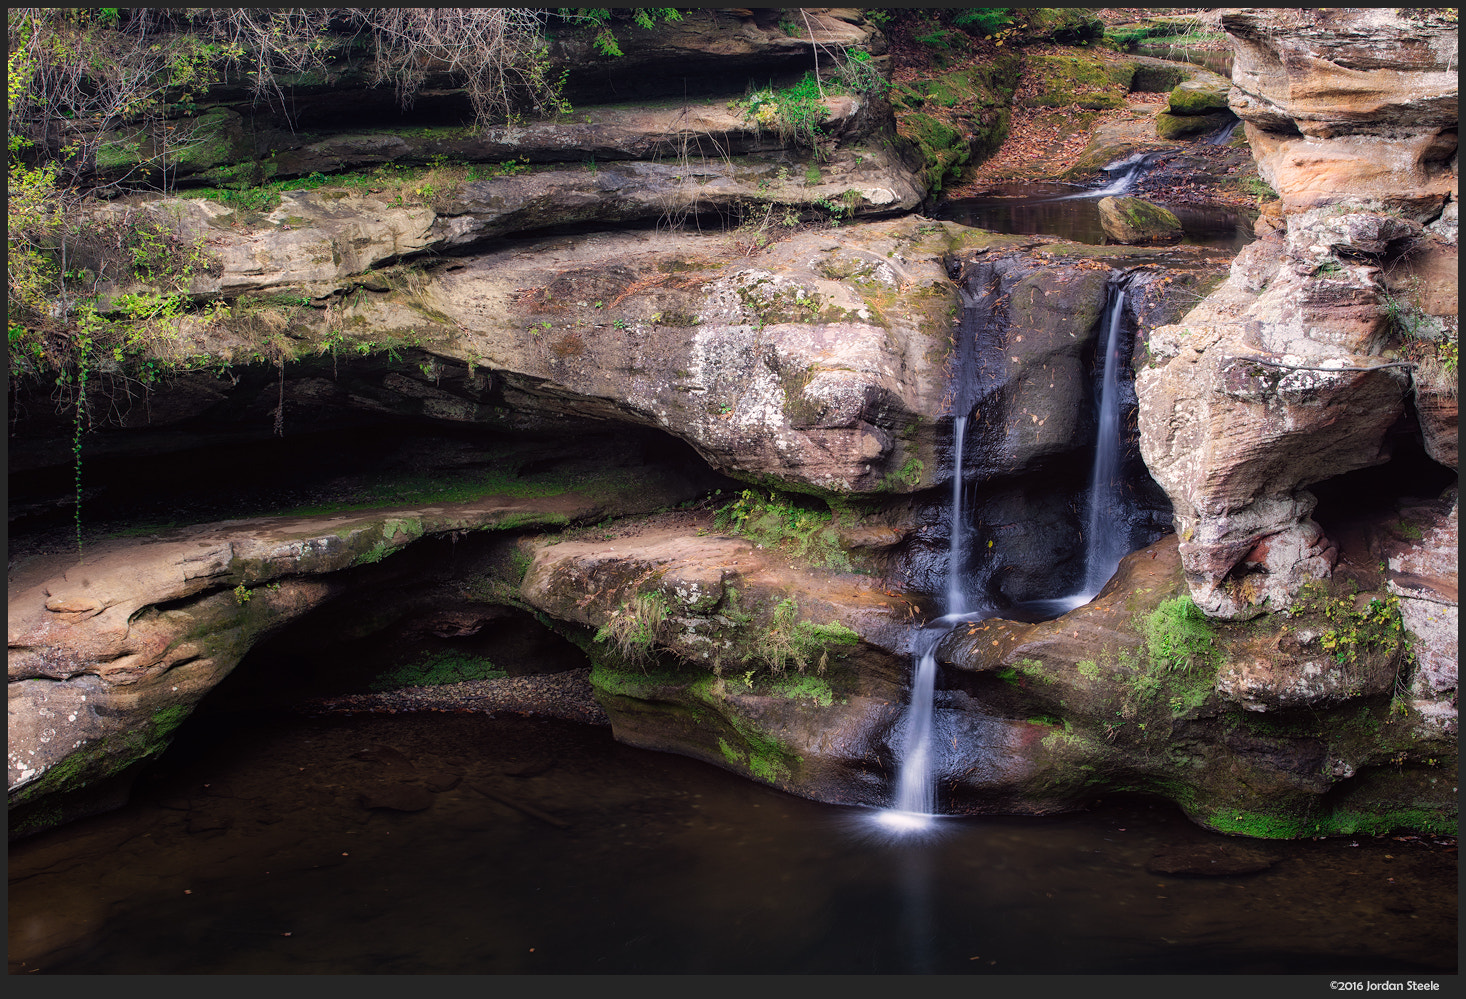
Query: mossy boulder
{"type": "Point", "coordinates": [1199, 96]}
{"type": "Point", "coordinates": [955, 118]}
{"type": "Point", "coordinates": [1155, 76]}
{"type": "Point", "coordinates": [1138, 223]}
{"type": "Point", "coordinates": [1172, 127]}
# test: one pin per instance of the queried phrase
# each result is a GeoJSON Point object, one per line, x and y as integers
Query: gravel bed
{"type": "Point", "coordinates": [564, 695]}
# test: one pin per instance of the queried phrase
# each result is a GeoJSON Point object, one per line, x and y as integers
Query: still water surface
{"type": "Point", "coordinates": [558, 850]}
{"type": "Point", "coordinates": [1065, 211]}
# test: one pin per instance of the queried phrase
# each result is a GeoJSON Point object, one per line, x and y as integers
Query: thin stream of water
{"type": "Point", "coordinates": [956, 602]}
{"type": "Point", "coordinates": [1104, 548]}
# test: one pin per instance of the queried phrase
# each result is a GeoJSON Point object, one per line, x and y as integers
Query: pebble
{"type": "Point", "coordinates": [567, 696]}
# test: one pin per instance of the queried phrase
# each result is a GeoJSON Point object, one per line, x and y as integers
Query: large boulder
{"type": "Point", "coordinates": [1138, 222]}
{"type": "Point", "coordinates": [1201, 95]}
{"type": "Point", "coordinates": [1272, 384]}
{"type": "Point", "coordinates": [1171, 127]}
{"type": "Point", "coordinates": [1349, 103]}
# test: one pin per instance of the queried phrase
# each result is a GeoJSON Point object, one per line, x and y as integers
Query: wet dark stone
{"type": "Point", "coordinates": [385, 755]}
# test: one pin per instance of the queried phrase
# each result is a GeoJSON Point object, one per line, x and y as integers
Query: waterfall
{"type": "Point", "coordinates": [1223, 135]}
{"type": "Point", "coordinates": [914, 801]}
{"type": "Point", "coordinates": [915, 794]}
{"type": "Point", "coordinates": [956, 602]}
{"type": "Point", "coordinates": [1124, 175]}
{"type": "Point", "coordinates": [1104, 546]}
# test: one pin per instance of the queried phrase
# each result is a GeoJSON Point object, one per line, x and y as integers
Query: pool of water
{"type": "Point", "coordinates": [1069, 212]}
{"type": "Point", "coordinates": [542, 846]}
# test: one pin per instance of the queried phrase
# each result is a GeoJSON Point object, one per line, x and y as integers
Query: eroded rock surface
{"type": "Point", "coordinates": [107, 656]}
{"type": "Point", "coordinates": [1343, 104]}
{"type": "Point", "coordinates": [1272, 384]}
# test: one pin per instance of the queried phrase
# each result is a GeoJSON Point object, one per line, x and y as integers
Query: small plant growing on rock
{"type": "Point", "coordinates": [636, 625]}
{"type": "Point", "coordinates": [781, 522]}
{"type": "Point", "coordinates": [793, 640]}
{"type": "Point", "coordinates": [1375, 627]}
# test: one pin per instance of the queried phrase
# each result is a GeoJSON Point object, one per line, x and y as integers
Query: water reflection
{"type": "Point", "coordinates": [251, 852]}
{"type": "Point", "coordinates": [1052, 210]}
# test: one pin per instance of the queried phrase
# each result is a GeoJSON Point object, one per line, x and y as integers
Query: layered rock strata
{"type": "Point", "coordinates": [1349, 103]}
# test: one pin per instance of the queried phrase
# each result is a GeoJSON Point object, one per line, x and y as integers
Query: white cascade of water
{"type": "Point", "coordinates": [956, 602]}
{"type": "Point", "coordinates": [915, 799]}
{"type": "Point", "coordinates": [1105, 547]}
{"type": "Point", "coordinates": [1224, 135]}
{"type": "Point", "coordinates": [914, 792]}
{"type": "Point", "coordinates": [1125, 174]}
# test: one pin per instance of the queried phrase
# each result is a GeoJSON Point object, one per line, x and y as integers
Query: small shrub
{"type": "Point", "coordinates": [781, 522]}
{"type": "Point", "coordinates": [636, 625]}
{"type": "Point", "coordinates": [794, 112]}
{"type": "Point", "coordinates": [793, 640]}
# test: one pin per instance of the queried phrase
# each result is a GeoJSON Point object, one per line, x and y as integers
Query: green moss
{"type": "Point", "coordinates": [94, 762]}
{"type": "Point", "coordinates": [811, 688]}
{"type": "Point", "coordinates": [1172, 127]}
{"type": "Point", "coordinates": [615, 677]}
{"type": "Point", "coordinates": [909, 476]}
{"type": "Point", "coordinates": [767, 768]}
{"type": "Point", "coordinates": [1152, 79]}
{"type": "Point", "coordinates": [733, 756]}
{"type": "Point", "coordinates": [1261, 825]}
{"type": "Point", "coordinates": [1072, 81]}
{"type": "Point", "coordinates": [943, 149]}
{"type": "Point", "coordinates": [1197, 99]}
{"type": "Point", "coordinates": [437, 669]}
{"type": "Point", "coordinates": [1343, 822]}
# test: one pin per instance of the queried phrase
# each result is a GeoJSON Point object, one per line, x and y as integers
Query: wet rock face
{"type": "Point", "coordinates": [1028, 368]}
{"type": "Point", "coordinates": [1357, 103]}
{"type": "Point", "coordinates": [1265, 733]}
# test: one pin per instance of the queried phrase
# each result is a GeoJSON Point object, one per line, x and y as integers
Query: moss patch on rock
{"type": "Point", "coordinates": [1172, 127]}
{"type": "Point", "coordinates": [1078, 81]}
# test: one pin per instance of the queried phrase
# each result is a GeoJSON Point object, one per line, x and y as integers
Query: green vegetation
{"type": "Point", "coordinates": [788, 523]}
{"type": "Point", "coordinates": [605, 40]}
{"type": "Point", "coordinates": [636, 626]}
{"type": "Point", "coordinates": [436, 669]}
{"type": "Point", "coordinates": [792, 640]}
{"type": "Point", "coordinates": [1375, 627]}
{"type": "Point", "coordinates": [984, 20]}
{"type": "Point", "coordinates": [794, 113]}
{"type": "Point", "coordinates": [1339, 822]}
{"type": "Point", "coordinates": [1180, 656]}
{"type": "Point", "coordinates": [810, 688]}
{"type": "Point", "coordinates": [1071, 81]}
{"type": "Point", "coordinates": [909, 476]}
{"type": "Point", "coordinates": [1429, 341]}
{"type": "Point", "coordinates": [1257, 187]}
{"type": "Point", "coordinates": [1178, 636]}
